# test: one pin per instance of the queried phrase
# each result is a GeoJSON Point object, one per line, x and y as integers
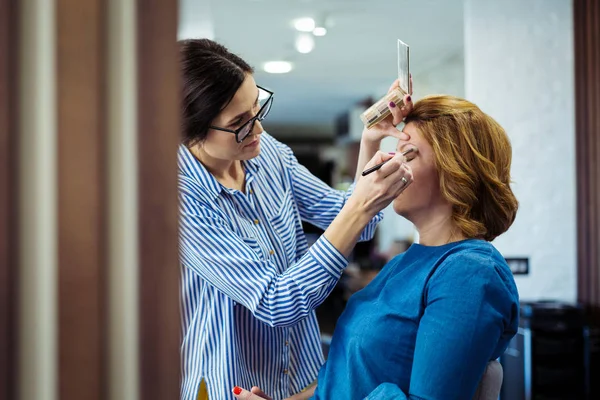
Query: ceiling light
{"type": "Point", "coordinates": [304, 24]}
{"type": "Point", "coordinates": [305, 43]}
{"type": "Point", "coordinates": [320, 31]}
{"type": "Point", "coordinates": [277, 67]}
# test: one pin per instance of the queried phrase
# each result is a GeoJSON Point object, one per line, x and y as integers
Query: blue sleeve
{"type": "Point", "coordinates": [214, 251]}
{"type": "Point", "coordinates": [468, 308]}
{"type": "Point", "coordinates": [318, 203]}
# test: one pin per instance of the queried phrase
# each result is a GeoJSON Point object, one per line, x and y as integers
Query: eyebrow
{"type": "Point", "coordinates": [232, 120]}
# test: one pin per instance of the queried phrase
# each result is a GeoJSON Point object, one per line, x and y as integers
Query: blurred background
{"type": "Point", "coordinates": [89, 124]}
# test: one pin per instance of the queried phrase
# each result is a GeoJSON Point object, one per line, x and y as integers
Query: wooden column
{"type": "Point", "coordinates": [158, 138]}
{"type": "Point", "coordinates": [81, 83]}
{"type": "Point", "coordinates": [587, 115]}
{"type": "Point", "coordinates": [9, 42]}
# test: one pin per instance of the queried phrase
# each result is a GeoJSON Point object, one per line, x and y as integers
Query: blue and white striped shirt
{"type": "Point", "coordinates": [250, 284]}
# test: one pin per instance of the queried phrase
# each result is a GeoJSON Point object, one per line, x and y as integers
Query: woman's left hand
{"type": "Point", "coordinates": [243, 394]}
{"type": "Point", "coordinates": [257, 394]}
{"type": "Point", "coordinates": [387, 127]}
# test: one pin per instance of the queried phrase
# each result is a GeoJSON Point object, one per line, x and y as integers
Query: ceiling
{"type": "Point", "coordinates": [356, 59]}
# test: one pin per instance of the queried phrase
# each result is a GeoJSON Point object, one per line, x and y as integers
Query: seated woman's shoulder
{"type": "Point", "coordinates": [478, 258]}
{"type": "Point", "coordinates": [476, 253]}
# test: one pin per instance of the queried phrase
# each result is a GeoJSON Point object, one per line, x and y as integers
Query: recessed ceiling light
{"type": "Point", "coordinates": [305, 43]}
{"type": "Point", "coordinates": [320, 31]}
{"type": "Point", "coordinates": [304, 24]}
{"type": "Point", "coordinates": [277, 67]}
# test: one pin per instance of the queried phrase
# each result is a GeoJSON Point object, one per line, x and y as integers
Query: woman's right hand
{"type": "Point", "coordinates": [377, 190]}
{"type": "Point", "coordinates": [371, 194]}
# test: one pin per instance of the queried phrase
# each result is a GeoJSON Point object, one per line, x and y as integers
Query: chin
{"type": "Point", "coordinates": [250, 153]}
{"type": "Point", "coordinates": [398, 206]}
{"type": "Point", "coordinates": [402, 206]}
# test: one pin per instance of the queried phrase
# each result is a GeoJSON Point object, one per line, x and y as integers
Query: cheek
{"type": "Point", "coordinates": [220, 144]}
{"type": "Point", "coordinates": [423, 190]}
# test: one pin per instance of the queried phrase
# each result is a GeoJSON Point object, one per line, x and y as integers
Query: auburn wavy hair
{"type": "Point", "coordinates": [473, 156]}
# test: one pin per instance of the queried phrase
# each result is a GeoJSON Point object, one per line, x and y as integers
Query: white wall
{"type": "Point", "coordinates": [195, 20]}
{"type": "Point", "coordinates": [519, 69]}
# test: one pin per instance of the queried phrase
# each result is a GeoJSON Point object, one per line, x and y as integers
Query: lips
{"type": "Point", "coordinates": [253, 143]}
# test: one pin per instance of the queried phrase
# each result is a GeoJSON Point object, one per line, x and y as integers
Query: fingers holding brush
{"type": "Point", "coordinates": [406, 178]}
{"type": "Point", "coordinates": [392, 165]}
{"type": "Point", "coordinates": [398, 175]}
{"type": "Point", "coordinates": [372, 167]}
{"type": "Point", "coordinates": [384, 179]}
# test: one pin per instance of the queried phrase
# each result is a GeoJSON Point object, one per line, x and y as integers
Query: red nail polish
{"type": "Point", "coordinates": [408, 98]}
{"type": "Point", "coordinates": [237, 390]}
{"type": "Point", "coordinates": [392, 104]}
{"type": "Point", "coordinates": [392, 153]}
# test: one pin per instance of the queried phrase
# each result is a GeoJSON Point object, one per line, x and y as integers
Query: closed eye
{"type": "Point", "coordinates": [410, 153]}
{"type": "Point", "coordinates": [235, 123]}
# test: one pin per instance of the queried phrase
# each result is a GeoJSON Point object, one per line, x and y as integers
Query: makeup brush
{"type": "Point", "coordinates": [376, 167]}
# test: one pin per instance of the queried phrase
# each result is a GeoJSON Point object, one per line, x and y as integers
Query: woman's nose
{"type": "Point", "coordinates": [257, 129]}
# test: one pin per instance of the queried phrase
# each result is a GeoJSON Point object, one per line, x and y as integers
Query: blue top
{"type": "Point", "coordinates": [249, 282]}
{"type": "Point", "coordinates": [425, 327]}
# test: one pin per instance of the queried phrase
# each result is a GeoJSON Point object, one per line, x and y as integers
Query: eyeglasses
{"type": "Point", "coordinates": [265, 101]}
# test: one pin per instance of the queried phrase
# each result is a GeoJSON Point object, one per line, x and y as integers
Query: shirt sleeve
{"type": "Point", "coordinates": [212, 249]}
{"type": "Point", "coordinates": [318, 203]}
{"type": "Point", "coordinates": [468, 309]}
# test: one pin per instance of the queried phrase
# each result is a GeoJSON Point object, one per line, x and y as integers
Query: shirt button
{"type": "Point", "coordinates": [287, 342]}
{"type": "Point", "coordinates": [251, 191]}
{"type": "Point", "coordinates": [256, 222]}
{"type": "Point", "coordinates": [285, 371]}
{"type": "Point", "coordinates": [271, 252]}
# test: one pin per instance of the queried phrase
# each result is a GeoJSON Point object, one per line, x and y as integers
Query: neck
{"type": "Point", "coordinates": [225, 171]}
{"type": "Point", "coordinates": [436, 227]}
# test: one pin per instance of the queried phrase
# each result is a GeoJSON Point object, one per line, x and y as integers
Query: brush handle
{"type": "Point", "coordinates": [376, 167]}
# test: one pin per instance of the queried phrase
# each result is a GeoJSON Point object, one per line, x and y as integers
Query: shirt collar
{"type": "Point", "coordinates": [190, 166]}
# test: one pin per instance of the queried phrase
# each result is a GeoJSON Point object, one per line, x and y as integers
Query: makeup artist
{"type": "Point", "coordinates": [250, 283]}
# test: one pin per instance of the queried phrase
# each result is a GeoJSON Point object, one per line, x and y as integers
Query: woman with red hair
{"type": "Point", "coordinates": [428, 324]}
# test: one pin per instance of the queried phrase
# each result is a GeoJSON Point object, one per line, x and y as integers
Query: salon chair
{"type": "Point", "coordinates": [491, 382]}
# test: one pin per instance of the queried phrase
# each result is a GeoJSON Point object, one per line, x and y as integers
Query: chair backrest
{"type": "Point", "coordinates": [491, 382]}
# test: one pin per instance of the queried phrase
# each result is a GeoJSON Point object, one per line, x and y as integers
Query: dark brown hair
{"type": "Point", "coordinates": [211, 77]}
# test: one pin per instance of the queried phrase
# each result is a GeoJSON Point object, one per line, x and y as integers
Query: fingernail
{"type": "Point", "coordinates": [408, 98]}
{"type": "Point", "coordinates": [392, 104]}
{"type": "Point", "coordinates": [237, 390]}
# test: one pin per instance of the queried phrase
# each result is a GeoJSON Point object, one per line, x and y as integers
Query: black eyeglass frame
{"type": "Point", "coordinates": [252, 120]}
